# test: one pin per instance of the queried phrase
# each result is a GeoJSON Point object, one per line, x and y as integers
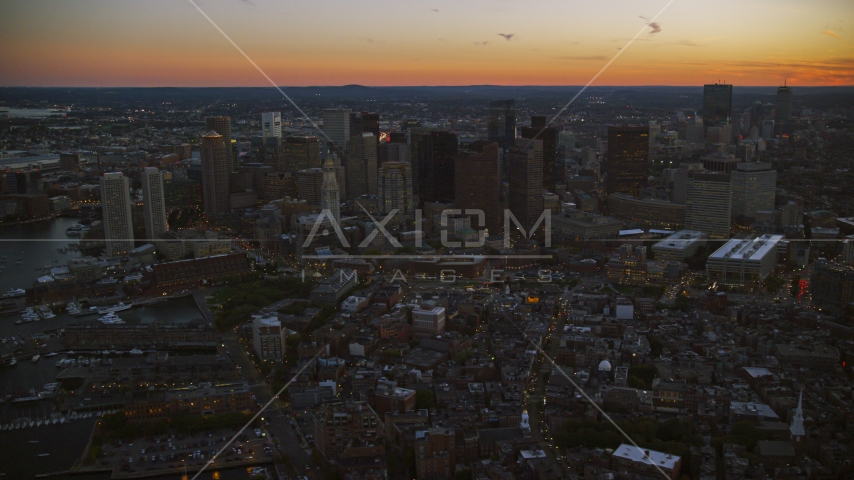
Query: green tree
{"type": "Point", "coordinates": [425, 399]}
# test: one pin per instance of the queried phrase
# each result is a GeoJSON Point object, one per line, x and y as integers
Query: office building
{"type": "Point", "coordinates": [680, 245]}
{"type": "Point", "coordinates": [309, 183]}
{"type": "Point", "coordinates": [278, 185]}
{"type": "Point", "coordinates": [717, 105]}
{"type": "Point", "coordinates": [785, 104]}
{"type": "Point", "coordinates": [336, 126]}
{"type": "Point", "coordinates": [628, 159]}
{"type": "Point", "coordinates": [708, 203]}
{"type": "Point", "coordinates": [330, 196]}
{"type": "Point", "coordinates": [393, 152]}
{"type": "Point", "coordinates": [115, 204]}
{"type": "Point", "coordinates": [501, 124]}
{"type": "Point", "coordinates": [832, 285]}
{"type": "Point", "coordinates": [361, 165]}
{"type": "Point", "coordinates": [268, 337]}
{"type": "Point", "coordinates": [215, 174]}
{"type": "Point", "coordinates": [435, 453]}
{"type": "Point", "coordinates": [271, 124]}
{"type": "Point", "coordinates": [301, 152]}
{"type": "Point", "coordinates": [428, 321]}
{"type": "Point", "coordinates": [154, 203]}
{"type": "Point", "coordinates": [754, 187]}
{"type": "Point", "coordinates": [394, 188]}
{"type": "Point", "coordinates": [720, 162]}
{"type": "Point", "coordinates": [415, 137]}
{"type": "Point", "coordinates": [437, 151]}
{"type": "Point", "coordinates": [743, 261]}
{"type": "Point", "coordinates": [525, 175]}
{"type": "Point", "coordinates": [647, 212]}
{"type": "Point", "coordinates": [365, 122]}
{"type": "Point", "coordinates": [222, 126]}
{"type": "Point", "coordinates": [549, 137]}
{"type": "Point", "coordinates": [680, 180]}
{"type": "Point", "coordinates": [476, 185]}
{"type": "Point", "coordinates": [577, 226]}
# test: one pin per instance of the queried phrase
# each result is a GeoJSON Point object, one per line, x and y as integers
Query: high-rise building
{"type": "Point", "coordinates": [271, 124]}
{"type": "Point", "coordinates": [393, 152]}
{"type": "Point", "coordinates": [831, 285]}
{"type": "Point", "coordinates": [525, 174]}
{"type": "Point", "coordinates": [215, 174]}
{"type": "Point", "coordinates": [330, 196]}
{"type": "Point", "coordinates": [361, 165]}
{"type": "Point", "coordinates": [414, 137]}
{"type": "Point", "coordinates": [436, 156]}
{"type": "Point", "coordinates": [785, 104]}
{"type": "Point", "coordinates": [708, 203]}
{"type": "Point", "coordinates": [268, 338]}
{"type": "Point", "coordinates": [278, 185]}
{"type": "Point", "coordinates": [222, 126]}
{"type": "Point", "coordinates": [336, 125]}
{"type": "Point", "coordinates": [365, 122]}
{"type": "Point", "coordinates": [768, 129]}
{"type": "Point", "coordinates": [428, 321]}
{"type": "Point", "coordinates": [720, 162]}
{"type": "Point", "coordinates": [394, 188]}
{"type": "Point", "coordinates": [116, 207]}
{"type": "Point", "coordinates": [502, 122]}
{"type": "Point", "coordinates": [717, 104]}
{"type": "Point", "coordinates": [301, 152]}
{"type": "Point", "coordinates": [477, 184]}
{"type": "Point", "coordinates": [549, 137]}
{"type": "Point", "coordinates": [680, 180]}
{"type": "Point", "coordinates": [628, 159]}
{"type": "Point", "coordinates": [154, 206]}
{"type": "Point", "coordinates": [754, 187]}
{"type": "Point", "coordinates": [309, 183]}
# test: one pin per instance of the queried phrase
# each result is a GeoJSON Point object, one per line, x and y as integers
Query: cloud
{"type": "Point", "coordinates": [507, 36]}
{"type": "Point", "coordinates": [248, 2]}
{"type": "Point", "coordinates": [371, 40]}
{"type": "Point", "coordinates": [653, 25]}
{"type": "Point", "coordinates": [830, 33]}
{"type": "Point", "coordinates": [584, 57]}
{"type": "Point", "coordinates": [435, 10]}
{"type": "Point", "coordinates": [480, 44]}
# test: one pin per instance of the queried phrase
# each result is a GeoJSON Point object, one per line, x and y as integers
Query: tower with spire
{"type": "Point", "coordinates": [330, 196]}
{"type": "Point", "coordinates": [798, 434]}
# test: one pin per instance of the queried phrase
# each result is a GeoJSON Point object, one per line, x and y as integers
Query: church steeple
{"type": "Point", "coordinates": [797, 427]}
{"type": "Point", "coordinates": [330, 196]}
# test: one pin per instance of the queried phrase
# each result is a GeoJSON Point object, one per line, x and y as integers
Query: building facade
{"type": "Point", "coordinates": [215, 174]}
{"type": "Point", "coordinates": [116, 207]}
{"type": "Point", "coordinates": [154, 206]}
{"type": "Point", "coordinates": [628, 159]}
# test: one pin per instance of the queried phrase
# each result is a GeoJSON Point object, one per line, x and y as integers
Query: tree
{"type": "Point", "coordinates": [795, 288]}
{"type": "Point", "coordinates": [425, 399]}
{"type": "Point", "coordinates": [644, 372]}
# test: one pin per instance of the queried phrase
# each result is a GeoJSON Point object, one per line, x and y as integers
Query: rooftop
{"type": "Point", "coordinates": [649, 457]}
{"type": "Point", "coordinates": [748, 249]}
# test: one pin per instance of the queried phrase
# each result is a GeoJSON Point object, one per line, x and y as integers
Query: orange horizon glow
{"type": "Point", "coordinates": [169, 44]}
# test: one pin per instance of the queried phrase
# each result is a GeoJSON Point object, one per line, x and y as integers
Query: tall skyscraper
{"type": "Point", "coordinates": [331, 199]}
{"type": "Point", "coordinates": [785, 104]}
{"type": "Point", "coordinates": [754, 188]}
{"type": "Point", "coordinates": [271, 124]}
{"type": "Point", "coordinates": [154, 203]}
{"type": "Point", "coordinates": [394, 188]}
{"type": "Point", "coordinates": [708, 203]}
{"type": "Point", "coordinates": [477, 185]}
{"type": "Point", "coordinates": [502, 122]}
{"type": "Point", "coordinates": [222, 126]}
{"type": "Point", "coordinates": [215, 174]}
{"type": "Point", "coordinates": [717, 104]}
{"type": "Point", "coordinates": [628, 159]}
{"type": "Point", "coordinates": [309, 184]}
{"type": "Point", "coordinates": [301, 152]}
{"type": "Point", "coordinates": [436, 157]}
{"type": "Point", "coordinates": [549, 138]}
{"type": "Point", "coordinates": [525, 173]}
{"type": "Point", "coordinates": [361, 165]}
{"type": "Point", "coordinates": [115, 204]}
{"type": "Point", "coordinates": [336, 125]}
{"type": "Point", "coordinates": [414, 137]}
{"type": "Point", "coordinates": [680, 181]}
{"type": "Point", "coordinates": [365, 122]}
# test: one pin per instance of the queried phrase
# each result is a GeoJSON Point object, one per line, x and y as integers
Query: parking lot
{"type": "Point", "coordinates": [174, 451]}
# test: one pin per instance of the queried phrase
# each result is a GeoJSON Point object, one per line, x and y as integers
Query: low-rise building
{"type": "Point", "coordinates": [742, 261]}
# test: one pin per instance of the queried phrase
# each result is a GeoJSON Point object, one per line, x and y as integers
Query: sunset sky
{"type": "Point", "coordinates": [406, 42]}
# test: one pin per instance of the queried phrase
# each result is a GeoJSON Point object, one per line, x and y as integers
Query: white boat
{"type": "Point", "coordinates": [119, 307]}
{"type": "Point", "coordinates": [43, 455]}
{"type": "Point", "coordinates": [51, 354]}
{"type": "Point", "coordinates": [15, 292]}
{"type": "Point", "coordinates": [13, 362]}
{"type": "Point", "coordinates": [111, 319]}
{"type": "Point", "coordinates": [136, 351]}
{"type": "Point", "coordinates": [36, 358]}
{"type": "Point", "coordinates": [46, 313]}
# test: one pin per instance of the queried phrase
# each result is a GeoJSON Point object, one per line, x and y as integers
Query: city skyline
{"type": "Point", "coordinates": [384, 43]}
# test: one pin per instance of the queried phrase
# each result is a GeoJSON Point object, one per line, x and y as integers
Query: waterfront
{"type": "Point", "coordinates": [35, 245]}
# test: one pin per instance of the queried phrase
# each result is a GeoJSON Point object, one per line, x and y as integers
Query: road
{"type": "Point", "coordinates": [285, 437]}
